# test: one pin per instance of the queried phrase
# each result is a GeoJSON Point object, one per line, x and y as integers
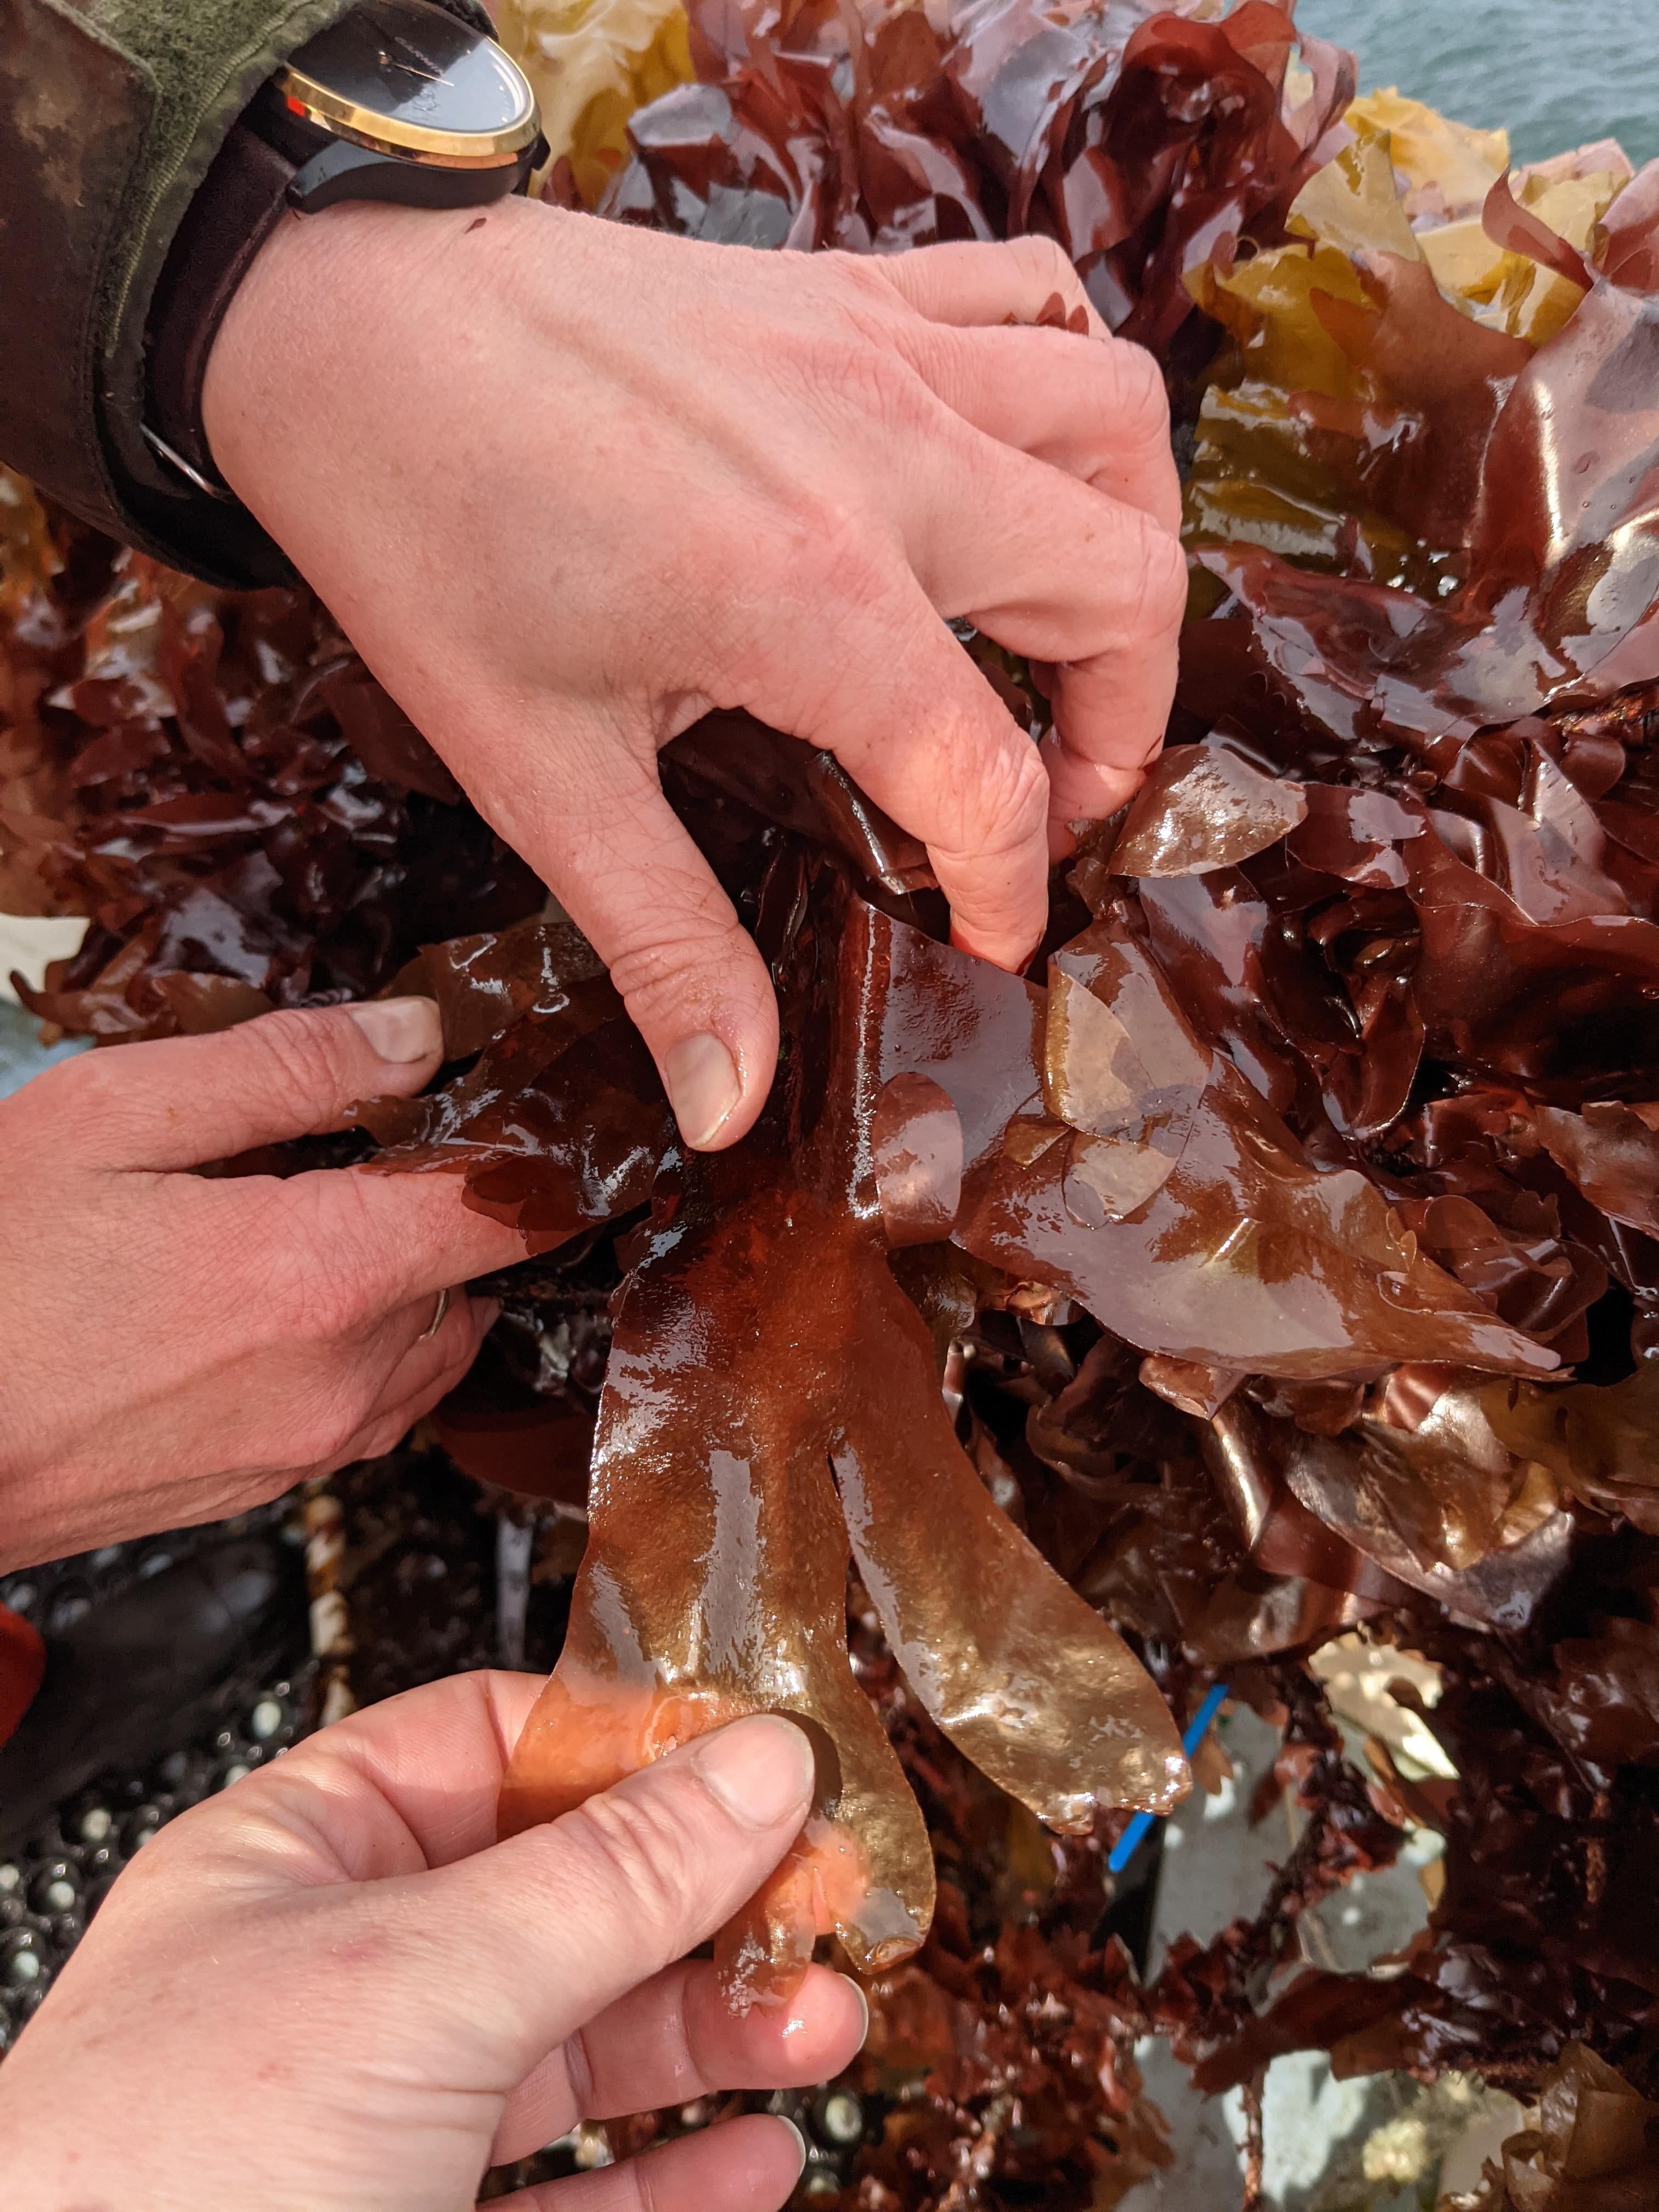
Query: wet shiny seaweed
{"type": "Point", "coordinates": [1285, 1243]}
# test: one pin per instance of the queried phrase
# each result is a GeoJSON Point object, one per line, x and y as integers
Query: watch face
{"type": "Point", "coordinates": [403, 76]}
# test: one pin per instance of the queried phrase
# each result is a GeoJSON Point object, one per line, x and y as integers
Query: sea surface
{"type": "Point", "coordinates": [1554, 73]}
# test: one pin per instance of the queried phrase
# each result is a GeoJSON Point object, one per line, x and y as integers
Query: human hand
{"type": "Point", "coordinates": [568, 484]}
{"type": "Point", "coordinates": [329, 1988]}
{"type": "Point", "coordinates": [178, 1348]}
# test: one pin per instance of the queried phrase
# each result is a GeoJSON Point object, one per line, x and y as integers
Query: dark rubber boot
{"type": "Point", "coordinates": [148, 1670]}
{"type": "Point", "coordinates": [22, 1668]}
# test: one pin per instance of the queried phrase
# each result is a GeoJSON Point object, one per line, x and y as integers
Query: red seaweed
{"type": "Point", "coordinates": [1286, 1244]}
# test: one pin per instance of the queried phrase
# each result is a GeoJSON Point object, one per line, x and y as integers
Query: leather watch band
{"type": "Point", "coordinates": [237, 206]}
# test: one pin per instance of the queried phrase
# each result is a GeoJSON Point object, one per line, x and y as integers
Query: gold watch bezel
{"type": "Point", "coordinates": [411, 142]}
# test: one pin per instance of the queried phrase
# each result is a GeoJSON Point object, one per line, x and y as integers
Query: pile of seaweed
{"type": "Point", "coordinates": [1280, 1257]}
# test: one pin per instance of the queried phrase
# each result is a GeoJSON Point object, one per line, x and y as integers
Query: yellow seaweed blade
{"type": "Point", "coordinates": [1572, 206]}
{"type": "Point", "coordinates": [1468, 267]}
{"type": "Point", "coordinates": [1354, 206]}
{"type": "Point", "coordinates": [1414, 183]}
{"type": "Point", "coordinates": [592, 63]}
{"type": "Point", "coordinates": [1267, 304]}
{"type": "Point", "coordinates": [1536, 303]}
{"type": "Point", "coordinates": [1254, 477]}
{"type": "Point", "coordinates": [1508, 290]}
{"type": "Point", "coordinates": [1447, 167]}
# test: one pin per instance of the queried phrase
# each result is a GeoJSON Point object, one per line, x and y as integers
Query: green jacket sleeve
{"type": "Point", "coordinates": [110, 113]}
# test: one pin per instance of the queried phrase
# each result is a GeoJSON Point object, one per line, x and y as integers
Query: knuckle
{"type": "Point", "coordinates": [691, 948]}
{"type": "Point", "coordinates": [1016, 793]}
{"type": "Point", "coordinates": [1160, 566]}
{"type": "Point", "coordinates": [296, 1061]}
{"type": "Point", "coordinates": [323, 1304]}
{"type": "Point", "coordinates": [639, 2186]}
{"type": "Point", "coordinates": [682, 623]}
{"type": "Point", "coordinates": [1139, 399]}
{"type": "Point", "coordinates": [858, 371]}
{"type": "Point", "coordinates": [971, 367]}
{"type": "Point", "coordinates": [868, 296]}
{"type": "Point", "coordinates": [639, 1854]}
{"type": "Point", "coordinates": [1000, 796]}
{"type": "Point", "coordinates": [848, 557]}
{"type": "Point", "coordinates": [862, 281]}
{"type": "Point", "coordinates": [579, 2071]}
{"type": "Point", "coordinates": [321, 1283]}
{"type": "Point", "coordinates": [900, 400]}
{"type": "Point", "coordinates": [374, 1439]}
{"type": "Point", "coordinates": [323, 1429]}
{"type": "Point", "coordinates": [1044, 259]}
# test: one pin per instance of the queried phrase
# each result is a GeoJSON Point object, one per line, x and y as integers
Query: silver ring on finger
{"type": "Point", "coordinates": [438, 1313]}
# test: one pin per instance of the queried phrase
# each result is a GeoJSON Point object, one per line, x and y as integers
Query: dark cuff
{"type": "Point", "coordinates": [110, 113]}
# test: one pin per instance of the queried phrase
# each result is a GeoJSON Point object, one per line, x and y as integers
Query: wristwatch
{"type": "Point", "coordinates": [399, 100]}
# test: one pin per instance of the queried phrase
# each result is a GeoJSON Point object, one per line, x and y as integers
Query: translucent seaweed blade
{"type": "Point", "coordinates": [715, 1579]}
{"type": "Point", "coordinates": [1022, 1674]}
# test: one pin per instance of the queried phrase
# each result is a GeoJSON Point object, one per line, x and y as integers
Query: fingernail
{"type": "Point", "coordinates": [864, 2007]}
{"type": "Point", "coordinates": [800, 2140]}
{"type": "Point", "coordinates": [761, 1770]}
{"type": "Point", "coordinates": [400, 1029]}
{"type": "Point", "coordinates": [703, 1088]}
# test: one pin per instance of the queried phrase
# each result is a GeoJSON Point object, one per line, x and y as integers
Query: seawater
{"type": "Point", "coordinates": [1554, 72]}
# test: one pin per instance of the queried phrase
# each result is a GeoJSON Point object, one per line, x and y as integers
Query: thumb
{"type": "Point", "coordinates": [176, 1104]}
{"type": "Point", "coordinates": [628, 872]}
{"type": "Point", "coordinates": [563, 1919]}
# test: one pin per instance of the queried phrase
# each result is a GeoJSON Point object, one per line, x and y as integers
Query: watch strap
{"type": "Point", "coordinates": [238, 203]}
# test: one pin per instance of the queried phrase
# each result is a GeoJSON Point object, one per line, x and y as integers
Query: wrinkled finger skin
{"type": "Point", "coordinates": [328, 1986]}
{"type": "Point", "coordinates": [772, 480]}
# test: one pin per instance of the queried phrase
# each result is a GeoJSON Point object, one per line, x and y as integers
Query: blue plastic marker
{"type": "Point", "coordinates": [1132, 1837]}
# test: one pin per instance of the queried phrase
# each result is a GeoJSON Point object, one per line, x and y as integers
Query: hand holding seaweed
{"type": "Point", "coordinates": [132, 1401]}
{"type": "Point", "coordinates": [1283, 1240]}
{"type": "Point", "coordinates": [777, 481]}
{"type": "Point", "coordinates": [312, 1895]}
